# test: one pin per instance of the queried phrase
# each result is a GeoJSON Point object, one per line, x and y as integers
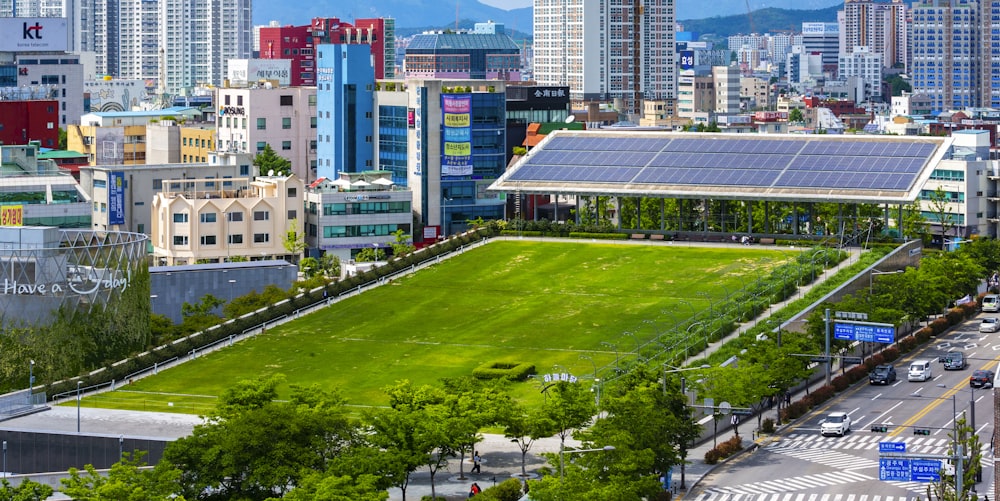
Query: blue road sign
{"type": "Point", "coordinates": [925, 470]}
{"type": "Point", "coordinates": [892, 446]}
{"type": "Point", "coordinates": [858, 331]}
{"type": "Point", "coordinates": [894, 469]}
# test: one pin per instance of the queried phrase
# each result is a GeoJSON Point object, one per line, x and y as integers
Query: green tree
{"type": "Point", "coordinates": [941, 209]}
{"type": "Point", "coordinates": [330, 264]}
{"type": "Point", "coordinates": [255, 448]}
{"type": "Point", "coordinates": [370, 254]}
{"type": "Point", "coordinates": [469, 405]}
{"type": "Point", "coordinates": [402, 244]}
{"type": "Point", "coordinates": [914, 223]}
{"type": "Point", "coordinates": [294, 241]}
{"type": "Point", "coordinates": [200, 316]}
{"type": "Point", "coordinates": [524, 426]}
{"type": "Point", "coordinates": [62, 139]}
{"type": "Point", "coordinates": [795, 116]}
{"type": "Point", "coordinates": [972, 452]}
{"type": "Point", "coordinates": [26, 491]}
{"type": "Point", "coordinates": [309, 267]}
{"type": "Point", "coordinates": [569, 406]}
{"type": "Point", "coordinates": [267, 161]}
{"type": "Point", "coordinates": [320, 487]}
{"type": "Point", "coordinates": [128, 480]}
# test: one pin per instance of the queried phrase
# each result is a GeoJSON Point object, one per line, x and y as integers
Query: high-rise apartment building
{"type": "Point", "coordinates": [606, 50]}
{"type": "Point", "coordinates": [954, 62]}
{"type": "Point", "coordinates": [199, 37]}
{"type": "Point", "coordinates": [137, 52]}
{"type": "Point", "coordinates": [879, 25]}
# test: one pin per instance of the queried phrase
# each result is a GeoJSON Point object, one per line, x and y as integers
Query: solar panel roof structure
{"type": "Point", "coordinates": [789, 167]}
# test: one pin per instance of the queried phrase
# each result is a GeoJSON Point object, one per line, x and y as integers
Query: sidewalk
{"type": "Point", "coordinates": [502, 459]}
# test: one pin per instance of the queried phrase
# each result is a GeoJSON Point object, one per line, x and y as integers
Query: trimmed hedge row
{"type": "Point", "coordinates": [940, 325]}
{"type": "Point", "coordinates": [724, 450]}
{"type": "Point", "coordinates": [499, 370]}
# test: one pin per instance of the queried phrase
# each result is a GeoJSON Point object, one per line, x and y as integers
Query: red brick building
{"type": "Point", "coordinates": [35, 120]}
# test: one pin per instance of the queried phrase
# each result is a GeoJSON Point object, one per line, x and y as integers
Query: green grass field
{"type": "Point", "coordinates": [540, 303]}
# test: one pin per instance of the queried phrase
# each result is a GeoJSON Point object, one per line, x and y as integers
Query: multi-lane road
{"type": "Point", "coordinates": [798, 464]}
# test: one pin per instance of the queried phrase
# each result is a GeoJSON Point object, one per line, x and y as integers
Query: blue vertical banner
{"type": "Point", "coordinates": [116, 197]}
{"type": "Point", "coordinates": [456, 159]}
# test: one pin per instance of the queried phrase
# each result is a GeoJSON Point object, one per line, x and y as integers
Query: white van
{"type": "Point", "coordinates": [920, 370]}
{"type": "Point", "coordinates": [991, 303]}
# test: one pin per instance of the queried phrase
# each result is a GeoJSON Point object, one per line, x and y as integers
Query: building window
{"type": "Point", "coordinates": [226, 99]}
{"type": "Point", "coordinates": [285, 100]}
{"type": "Point", "coordinates": [261, 215]}
{"type": "Point", "coordinates": [181, 217]}
{"type": "Point", "coordinates": [180, 240]}
{"type": "Point", "coordinates": [244, 170]}
{"type": "Point", "coordinates": [293, 214]}
{"type": "Point", "coordinates": [208, 217]}
{"type": "Point", "coordinates": [239, 100]}
{"type": "Point", "coordinates": [261, 238]}
{"type": "Point", "coordinates": [234, 217]}
{"type": "Point", "coordinates": [286, 123]}
{"type": "Point", "coordinates": [261, 145]}
{"type": "Point", "coordinates": [236, 239]}
{"type": "Point", "coordinates": [312, 122]}
{"type": "Point", "coordinates": [292, 192]}
{"type": "Point", "coordinates": [286, 145]}
{"type": "Point", "coordinates": [261, 123]}
{"type": "Point", "coordinates": [208, 240]}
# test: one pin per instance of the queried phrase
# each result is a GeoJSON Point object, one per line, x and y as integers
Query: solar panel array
{"type": "Point", "coordinates": [807, 163]}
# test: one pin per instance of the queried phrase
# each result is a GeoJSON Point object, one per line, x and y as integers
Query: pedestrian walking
{"type": "Point", "coordinates": [476, 463]}
{"type": "Point", "coordinates": [474, 490]}
{"type": "Point", "coordinates": [735, 420]}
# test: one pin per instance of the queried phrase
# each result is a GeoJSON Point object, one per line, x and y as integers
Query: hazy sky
{"type": "Point", "coordinates": [507, 4]}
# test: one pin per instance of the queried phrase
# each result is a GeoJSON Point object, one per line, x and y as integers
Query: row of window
{"type": "Point", "coordinates": [234, 239]}
{"type": "Point", "coordinates": [344, 209]}
{"type": "Point", "coordinates": [235, 216]}
{"type": "Point", "coordinates": [360, 230]}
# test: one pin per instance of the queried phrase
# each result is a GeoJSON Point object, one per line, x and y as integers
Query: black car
{"type": "Point", "coordinates": [981, 379]}
{"type": "Point", "coordinates": [882, 374]}
{"type": "Point", "coordinates": [954, 360]}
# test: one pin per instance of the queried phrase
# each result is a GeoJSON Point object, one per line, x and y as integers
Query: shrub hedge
{"type": "Point", "coordinates": [498, 370]}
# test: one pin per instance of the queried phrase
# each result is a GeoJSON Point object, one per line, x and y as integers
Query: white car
{"type": "Point", "coordinates": [989, 324]}
{"type": "Point", "coordinates": [836, 423]}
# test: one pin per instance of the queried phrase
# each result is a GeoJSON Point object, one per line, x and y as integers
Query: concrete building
{"type": "Point", "coordinates": [967, 178]}
{"type": "Point", "coordinates": [755, 93]}
{"type": "Point", "coordinates": [727, 89]}
{"type": "Point", "coordinates": [606, 50]}
{"type": "Point", "coordinates": [22, 121]}
{"type": "Point", "coordinates": [354, 212]}
{"type": "Point", "coordinates": [344, 110]}
{"type": "Point", "coordinates": [35, 192]}
{"type": "Point", "coordinates": [59, 73]}
{"type": "Point", "coordinates": [394, 118]}
{"type": "Point", "coordinates": [823, 39]}
{"type": "Point", "coordinates": [866, 67]}
{"type": "Point", "coordinates": [132, 198]}
{"type": "Point", "coordinates": [133, 48]}
{"type": "Point", "coordinates": [451, 169]}
{"type": "Point", "coordinates": [208, 220]}
{"type": "Point", "coordinates": [294, 43]}
{"type": "Point", "coordinates": [285, 118]}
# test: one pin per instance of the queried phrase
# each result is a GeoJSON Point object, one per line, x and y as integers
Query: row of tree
{"type": "Point", "coordinates": [310, 447]}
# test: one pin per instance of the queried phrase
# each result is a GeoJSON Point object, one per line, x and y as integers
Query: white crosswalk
{"type": "Point", "coordinates": [722, 496]}
{"type": "Point", "coordinates": [853, 457]}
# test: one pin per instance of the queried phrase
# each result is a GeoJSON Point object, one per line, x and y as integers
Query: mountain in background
{"type": "Point", "coordinates": [438, 14]}
{"type": "Point", "coordinates": [770, 20]}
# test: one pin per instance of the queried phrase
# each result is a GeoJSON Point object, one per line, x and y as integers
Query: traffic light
{"type": "Point", "coordinates": [921, 431]}
{"type": "Point", "coordinates": [880, 428]}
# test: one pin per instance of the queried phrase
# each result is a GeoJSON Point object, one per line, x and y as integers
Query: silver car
{"type": "Point", "coordinates": [989, 324]}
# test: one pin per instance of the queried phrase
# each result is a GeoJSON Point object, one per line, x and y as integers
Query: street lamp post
{"type": "Point", "coordinates": [684, 395]}
{"type": "Point", "coordinates": [78, 383]}
{"type": "Point", "coordinates": [711, 306]}
{"type": "Point", "coordinates": [444, 225]}
{"type": "Point", "coordinates": [614, 347]}
{"type": "Point", "coordinates": [563, 451]}
{"type": "Point", "coordinates": [232, 283]}
{"type": "Point", "coordinates": [4, 459]}
{"type": "Point", "coordinates": [634, 339]}
{"type": "Point", "coordinates": [956, 446]}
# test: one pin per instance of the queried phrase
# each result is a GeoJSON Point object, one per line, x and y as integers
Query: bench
{"type": "Point", "coordinates": [766, 241]}
{"type": "Point", "coordinates": [638, 236]}
{"type": "Point", "coordinates": [656, 236]}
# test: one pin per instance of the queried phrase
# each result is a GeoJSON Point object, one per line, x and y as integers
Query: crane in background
{"type": "Point", "coordinates": [750, 16]}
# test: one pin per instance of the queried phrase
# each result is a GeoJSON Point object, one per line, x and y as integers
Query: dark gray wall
{"type": "Point", "coordinates": [34, 452]}
{"type": "Point", "coordinates": [172, 286]}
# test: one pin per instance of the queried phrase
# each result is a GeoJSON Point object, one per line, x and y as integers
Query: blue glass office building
{"type": "Point", "coordinates": [345, 85]}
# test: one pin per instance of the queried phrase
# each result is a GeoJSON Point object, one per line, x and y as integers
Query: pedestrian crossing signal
{"type": "Point", "coordinates": [880, 429]}
{"type": "Point", "coordinates": [921, 431]}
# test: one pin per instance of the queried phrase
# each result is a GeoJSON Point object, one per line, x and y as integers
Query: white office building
{"type": "Point", "coordinates": [605, 50]}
